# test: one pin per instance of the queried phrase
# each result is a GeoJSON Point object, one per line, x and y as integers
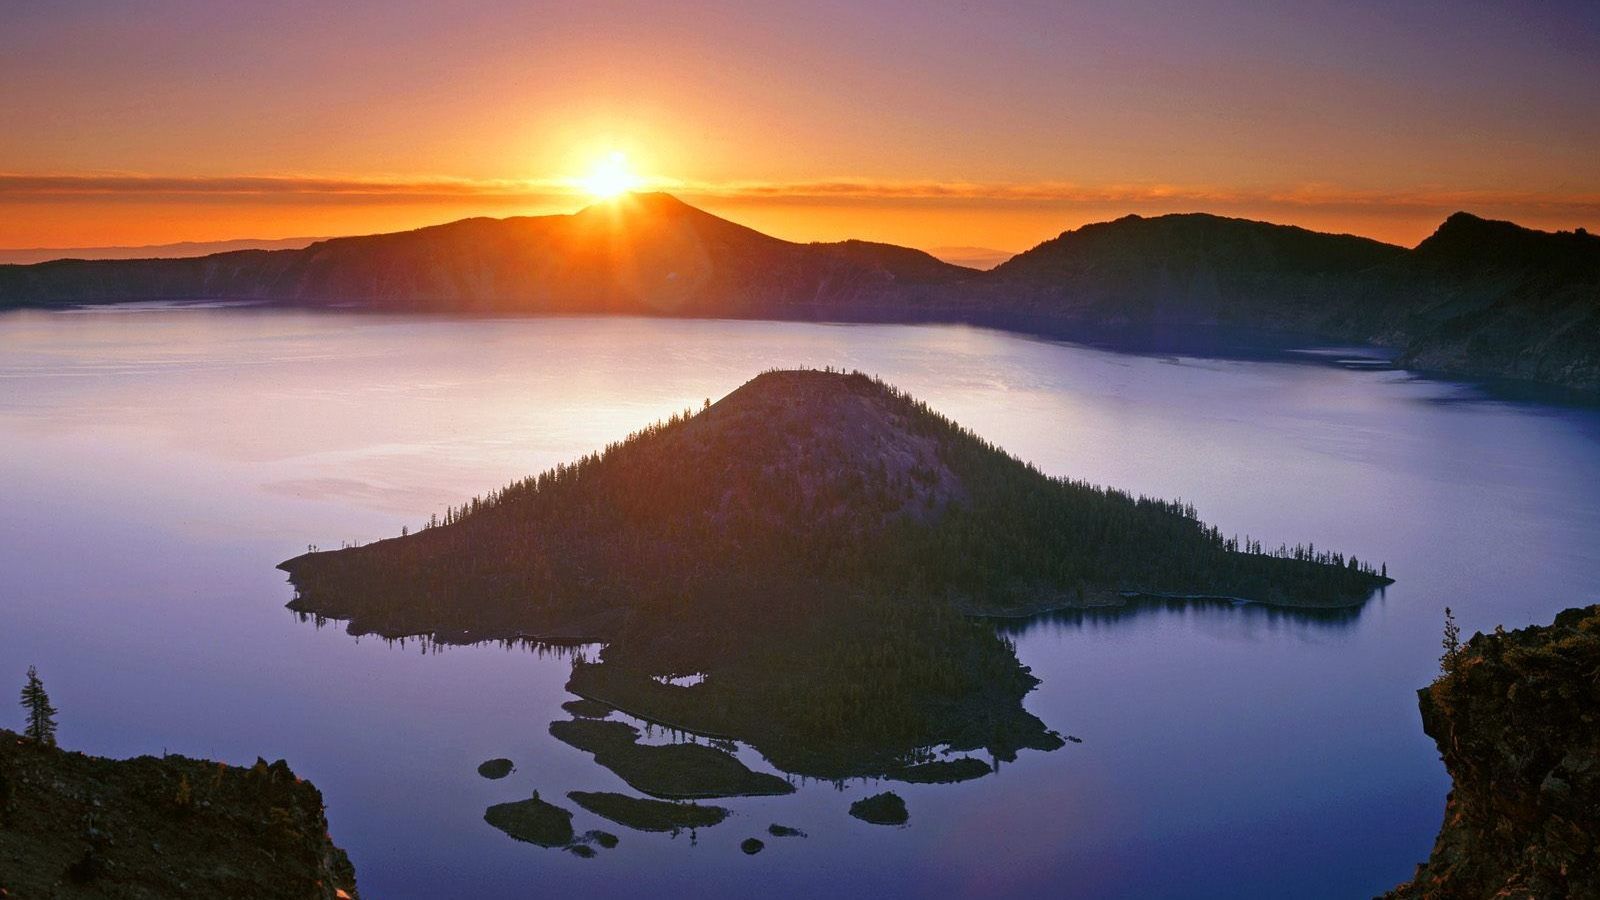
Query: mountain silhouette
{"type": "Point", "coordinates": [1478, 298]}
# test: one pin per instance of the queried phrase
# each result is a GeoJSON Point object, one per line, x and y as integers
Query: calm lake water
{"type": "Point", "coordinates": [157, 464]}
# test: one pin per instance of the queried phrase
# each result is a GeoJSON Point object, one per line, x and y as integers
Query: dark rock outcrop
{"type": "Point", "coordinates": [1516, 717]}
{"type": "Point", "coordinates": [944, 771]}
{"type": "Point", "coordinates": [150, 827]}
{"type": "Point", "coordinates": [643, 814]}
{"type": "Point", "coordinates": [496, 768]}
{"type": "Point", "coordinates": [533, 821]}
{"type": "Point", "coordinates": [675, 771]}
{"type": "Point", "coordinates": [881, 809]}
{"type": "Point", "coordinates": [584, 708]}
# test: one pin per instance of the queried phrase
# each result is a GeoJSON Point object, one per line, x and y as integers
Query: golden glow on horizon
{"type": "Point", "coordinates": [610, 177]}
{"type": "Point", "coordinates": [98, 210]}
{"type": "Point", "coordinates": [986, 129]}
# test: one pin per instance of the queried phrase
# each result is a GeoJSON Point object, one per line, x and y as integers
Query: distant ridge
{"type": "Point", "coordinates": [1478, 298]}
{"type": "Point", "coordinates": [984, 258]}
{"type": "Point", "coordinates": [182, 249]}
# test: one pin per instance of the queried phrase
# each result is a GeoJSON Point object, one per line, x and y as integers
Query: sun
{"type": "Point", "coordinates": [610, 177]}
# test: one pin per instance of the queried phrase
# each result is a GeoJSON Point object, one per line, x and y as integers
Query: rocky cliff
{"type": "Point", "coordinates": [81, 826]}
{"type": "Point", "coordinates": [1516, 717]}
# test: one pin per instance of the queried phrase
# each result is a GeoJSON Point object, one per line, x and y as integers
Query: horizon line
{"type": "Point", "coordinates": [1578, 210]}
{"type": "Point", "coordinates": [380, 189]}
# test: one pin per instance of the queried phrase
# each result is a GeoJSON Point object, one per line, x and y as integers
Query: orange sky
{"type": "Point", "coordinates": [994, 126]}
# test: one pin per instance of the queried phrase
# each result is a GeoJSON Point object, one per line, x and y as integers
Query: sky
{"type": "Point", "coordinates": [931, 124]}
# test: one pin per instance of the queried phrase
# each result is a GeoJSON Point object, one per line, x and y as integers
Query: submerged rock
{"type": "Point", "coordinates": [1516, 717]}
{"type": "Point", "coordinates": [752, 846]}
{"type": "Point", "coordinates": [584, 708]}
{"type": "Point", "coordinates": [648, 815]}
{"type": "Point", "coordinates": [604, 838]}
{"type": "Point", "coordinates": [496, 768]}
{"type": "Point", "coordinates": [676, 771]}
{"type": "Point", "coordinates": [533, 821]}
{"type": "Point", "coordinates": [595, 736]}
{"type": "Point", "coordinates": [777, 830]}
{"type": "Point", "coordinates": [881, 809]}
{"type": "Point", "coordinates": [944, 771]}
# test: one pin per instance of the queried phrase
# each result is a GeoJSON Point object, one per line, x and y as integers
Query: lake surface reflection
{"type": "Point", "coordinates": [158, 464]}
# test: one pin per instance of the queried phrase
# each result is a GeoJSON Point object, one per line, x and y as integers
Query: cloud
{"type": "Point", "coordinates": [364, 190]}
{"type": "Point", "coordinates": [1069, 193]}
{"type": "Point", "coordinates": [276, 187]}
{"type": "Point", "coordinates": [1001, 192]}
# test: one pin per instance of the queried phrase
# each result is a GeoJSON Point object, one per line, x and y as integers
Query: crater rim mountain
{"type": "Point", "coordinates": [1477, 299]}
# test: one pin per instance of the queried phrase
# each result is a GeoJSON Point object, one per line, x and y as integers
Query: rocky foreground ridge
{"type": "Point", "coordinates": [1516, 716]}
{"type": "Point", "coordinates": [73, 825]}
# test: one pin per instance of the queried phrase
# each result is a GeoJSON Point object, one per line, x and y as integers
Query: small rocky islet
{"type": "Point", "coordinates": [584, 708]}
{"type": "Point", "coordinates": [534, 821]}
{"type": "Point", "coordinates": [643, 814]}
{"type": "Point", "coordinates": [942, 771]}
{"type": "Point", "coordinates": [544, 824]}
{"type": "Point", "coordinates": [881, 809]}
{"type": "Point", "coordinates": [496, 769]}
{"type": "Point", "coordinates": [680, 771]}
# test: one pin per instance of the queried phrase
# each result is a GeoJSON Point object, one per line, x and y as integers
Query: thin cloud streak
{"type": "Point", "coordinates": [279, 188]}
{"type": "Point", "coordinates": [244, 187]}
{"type": "Point", "coordinates": [1142, 194]}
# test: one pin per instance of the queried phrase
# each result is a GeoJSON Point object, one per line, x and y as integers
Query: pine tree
{"type": "Point", "coordinates": [1451, 643]}
{"type": "Point", "coordinates": [41, 715]}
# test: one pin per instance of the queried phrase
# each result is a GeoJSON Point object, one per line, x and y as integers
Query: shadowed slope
{"type": "Point", "coordinates": [1488, 296]}
{"type": "Point", "coordinates": [1135, 260]}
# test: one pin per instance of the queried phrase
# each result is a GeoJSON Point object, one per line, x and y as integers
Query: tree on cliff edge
{"type": "Point", "coordinates": [1451, 643]}
{"type": "Point", "coordinates": [41, 715]}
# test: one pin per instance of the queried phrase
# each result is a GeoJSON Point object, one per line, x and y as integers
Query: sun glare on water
{"type": "Point", "coordinates": [610, 177]}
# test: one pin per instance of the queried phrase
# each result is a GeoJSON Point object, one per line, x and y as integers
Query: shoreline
{"type": "Point", "coordinates": [1230, 341]}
